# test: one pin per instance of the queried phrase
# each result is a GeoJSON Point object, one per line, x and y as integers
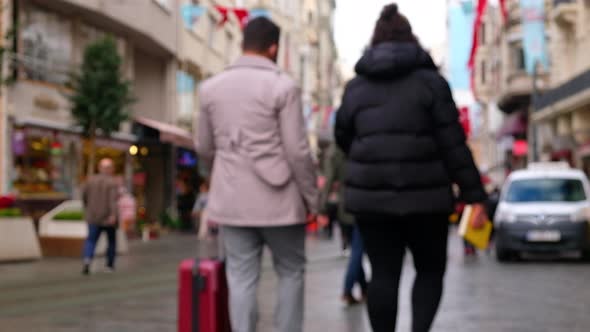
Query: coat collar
{"type": "Point", "coordinates": [254, 61]}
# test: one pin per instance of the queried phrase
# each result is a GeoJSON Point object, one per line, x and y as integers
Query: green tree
{"type": "Point", "coordinates": [101, 96]}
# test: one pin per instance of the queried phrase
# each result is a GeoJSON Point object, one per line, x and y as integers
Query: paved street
{"type": "Point", "coordinates": [481, 295]}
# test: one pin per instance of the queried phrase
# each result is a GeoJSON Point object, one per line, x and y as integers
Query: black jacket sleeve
{"type": "Point", "coordinates": [344, 131]}
{"type": "Point", "coordinates": [451, 140]}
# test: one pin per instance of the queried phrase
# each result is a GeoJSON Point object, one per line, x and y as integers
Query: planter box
{"type": "Point", "coordinates": [65, 238]}
{"type": "Point", "coordinates": [18, 240]}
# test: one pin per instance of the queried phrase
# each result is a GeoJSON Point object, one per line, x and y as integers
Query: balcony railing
{"type": "Point", "coordinates": [566, 90]}
{"type": "Point", "coordinates": [560, 2]}
{"type": "Point", "coordinates": [565, 13]}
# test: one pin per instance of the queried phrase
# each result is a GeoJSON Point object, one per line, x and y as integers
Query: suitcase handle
{"type": "Point", "coordinates": [197, 287]}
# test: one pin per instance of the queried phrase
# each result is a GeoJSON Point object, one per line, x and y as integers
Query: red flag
{"type": "Point", "coordinates": [241, 14]}
{"type": "Point", "coordinates": [464, 120]}
{"type": "Point", "coordinates": [504, 10]}
{"type": "Point", "coordinates": [224, 11]}
{"type": "Point", "coordinates": [481, 9]}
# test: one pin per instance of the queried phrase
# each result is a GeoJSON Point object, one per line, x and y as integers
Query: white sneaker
{"type": "Point", "coordinates": [109, 270]}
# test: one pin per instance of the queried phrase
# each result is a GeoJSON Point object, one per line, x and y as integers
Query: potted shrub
{"type": "Point", "coordinates": [63, 231]}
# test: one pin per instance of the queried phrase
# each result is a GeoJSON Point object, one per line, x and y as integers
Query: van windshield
{"type": "Point", "coordinates": [546, 190]}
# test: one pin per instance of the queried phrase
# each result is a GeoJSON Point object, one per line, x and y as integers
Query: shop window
{"type": "Point", "coordinates": [104, 148]}
{"type": "Point", "coordinates": [46, 40]}
{"type": "Point", "coordinates": [38, 163]}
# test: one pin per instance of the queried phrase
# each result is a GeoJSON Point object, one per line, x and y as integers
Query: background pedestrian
{"type": "Point", "coordinates": [335, 170]}
{"type": "Point", "coordinates": [100, 197]}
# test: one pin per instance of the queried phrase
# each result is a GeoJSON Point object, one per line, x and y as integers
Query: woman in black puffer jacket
{"type": "Point", "coordinates": [405, 147]}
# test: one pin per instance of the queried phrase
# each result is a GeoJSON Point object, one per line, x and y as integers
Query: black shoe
{"type": "Point", "coordinates": [86, 270]}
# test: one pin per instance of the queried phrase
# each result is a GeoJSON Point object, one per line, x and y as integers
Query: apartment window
{"type": "Point", "coordinates": [185, 88]}
{"type": "Point", "coordinates": [482, 34]}
{"type": "Point", "coordinates": [212, 28]}
{"type": "Point", "coordinates": [302, 70]}
{"type": "Point", "coordinates": [309, 17]}
{"type": "Point", "coordinates": [166, 4]}
{"type": "Point", "coordinates": [483, 72]}
{"type": "Point", "coordinates": [46, 46]}
{"type": "Point", "coordinates": [517, 56]}
{"type": "Point", "coordinates": [229, 45]}
{"type": "Point", "coordinates": [86, 35]}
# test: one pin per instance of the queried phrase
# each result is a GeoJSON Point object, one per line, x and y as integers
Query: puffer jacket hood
{"type": "Point", "coordinates": [391, 59]}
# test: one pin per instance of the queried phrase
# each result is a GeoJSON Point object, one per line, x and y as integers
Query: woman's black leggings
{"type": "Point", "coordinates": [386, 239]}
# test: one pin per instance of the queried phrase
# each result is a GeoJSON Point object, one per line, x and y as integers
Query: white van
{"type": "Point", "coordinates": [543, 209]}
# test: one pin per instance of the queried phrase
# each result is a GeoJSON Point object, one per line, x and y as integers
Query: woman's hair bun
{"type": "Point", "coordinates": [392, 26]}
{"type": "Point", "coordinates": [389, 11]}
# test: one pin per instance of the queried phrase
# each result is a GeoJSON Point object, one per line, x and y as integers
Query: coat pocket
{"type": "Point", "coordinates": [272, 169]}
{"type": "Point", "coordinates": [267, 161]}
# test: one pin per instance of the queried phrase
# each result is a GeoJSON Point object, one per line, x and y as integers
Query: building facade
{"type": "Point", "coordinates": [168, 47]}
{"type": "Point", "coordinates": [486, 84]}
{"type": "Point", "coordinates": [460, 16]}
{"type": "Point", "coordinates": [501, 82]}
{"type": "Point", "coordinates": [562, 111]}
{"type": "Point", "coordinates": [48, 154]}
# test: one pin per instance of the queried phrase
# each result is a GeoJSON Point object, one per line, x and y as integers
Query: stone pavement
{"type": "Point", "coordinates": [481, 295]}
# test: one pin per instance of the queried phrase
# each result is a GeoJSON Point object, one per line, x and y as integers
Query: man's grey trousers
{"type": "Point", "coordinates": [243, 250]}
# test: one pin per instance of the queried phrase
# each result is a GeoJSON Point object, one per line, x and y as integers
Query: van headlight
{"type": "Point", "coordinates": [579, 216]}
{"type": "Point", "coordinates": [505, 216]}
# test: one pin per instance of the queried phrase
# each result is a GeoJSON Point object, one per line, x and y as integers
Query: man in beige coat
{"type": "Point", "coordinates": [263, 184]}
{"type": "Point", "coordinates": [100, 194]}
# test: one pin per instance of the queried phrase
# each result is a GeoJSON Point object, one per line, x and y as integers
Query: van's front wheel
{"type": "Point", "coordinates": [504, 255]}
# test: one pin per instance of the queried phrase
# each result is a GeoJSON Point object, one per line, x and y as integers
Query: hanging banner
{"type": "Point", "coordinates": [190, 14]}
{"type": "Point", "coordinates": [504, 10]}
{"type": "Point", "coordinates": [533, 34]}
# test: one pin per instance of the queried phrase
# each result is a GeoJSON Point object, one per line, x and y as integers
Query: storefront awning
{"type": "Point", "coordinates": [514, 124]}
{"type": "Point", "coordinates": [41, 127]}
{"type": "Point", "coordinates": [168, 133]}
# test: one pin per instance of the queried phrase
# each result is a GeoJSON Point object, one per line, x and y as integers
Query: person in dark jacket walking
{"type": "Point", "coordinates": [399, 127]}
{"type": "Point", "coordinates": [334, 170]}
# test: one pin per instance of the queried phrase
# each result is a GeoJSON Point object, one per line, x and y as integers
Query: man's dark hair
{"type": "Point", "coordinates": [260, 34]}
{"type": "Point", "coordinates": [392, 26]}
